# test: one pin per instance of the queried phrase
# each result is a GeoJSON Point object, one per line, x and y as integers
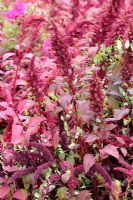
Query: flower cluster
{"type": "Point", "coordinates": [18, 9]}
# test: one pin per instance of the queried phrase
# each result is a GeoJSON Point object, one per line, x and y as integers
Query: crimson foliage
{"type": "Point", "coordinates": [66, 100]}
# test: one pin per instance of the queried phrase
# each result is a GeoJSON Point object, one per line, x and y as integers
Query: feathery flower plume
{"type": "Point", "coordinates": [79, 29]}
{"type": "Point", "coordinates": [39, 170]}
{"type": "Point", "coordinates": [121, 28]}
{"type": "Point", "coordinates": [64, 141]}
{"type": "Point", "coordinates": [127, 67]}
{"type": "Point", "coordinates": [34, 81]}
{"type": "Point", "coordinates": [19, 174]}
{"type": "Point", "coordinates": [72, 183]}
{"type": "Point", "coordinates": [78, 169]}
{"type": "Point", "coordinates": [96, 94]}
{"type": "Point", "coordinates": [98, 168]}
{"type": "Point", "coordinates": [47, 156]}
{"type": "Point", "coordinates": [59, 44]}
{"type": "Point", "coordinates": [30, 24]}
{"type": "Point", "coordinates": [75, 9]}
{"type": "Point", "coordinates": [54, 178]}
{"type": "Point", "coordinates": [107, 21]}
{"type": "Point", "coordinates": [27, 158]}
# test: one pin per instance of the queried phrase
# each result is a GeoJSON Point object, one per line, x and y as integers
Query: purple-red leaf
{"type": "Point", "coordinates": [110, 150]}
{"type": "Point", "coordinates": [88, 162]}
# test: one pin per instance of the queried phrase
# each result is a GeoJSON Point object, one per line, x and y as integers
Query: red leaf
{"type": "Point", "coordinates": [88, 162]}
{"type": "Point", "coordinates": [4, 191]}
{"type": "Point", "coordinates": [33, 124]}
{"type": "Point", "coordinates": [17, 136]}
{"type": "Point", "coordinates": [91, 138]}
{"type": "Point", "coordinates": [110, 150]}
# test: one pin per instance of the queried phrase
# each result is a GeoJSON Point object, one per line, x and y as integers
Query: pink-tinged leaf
{"type": "Point", "coordinates": [10, 112]}
{"type": "Point", "coordinates": [50, 107]}
{"type": "Point", "coordinates": [110, 150]}
{"type": "Point", "coordinates": [65, 100]}
{"type": "Point", "coordinates": [110, 120]}
{"type": "Point", "coordinates": [110, 127]}
{"type": "Point", "coordinates": [17, 136]}
{"type": "Point", "coordinates": [88, 162]}
{"type": "Point", "coordinates": [17, 139]}
{"type": "Point", "coordinates": [35, 121]}
{"type": "Point", "coordinates": [114, 92]}
{"type": "Point", "coordinates": [120, 140]}
{"type": "Point", "coordinates": [120, 113]}
{"type": "Point", "coordinates": [84, 111]}
{"type": "Point", "coordinates": [7, 55]}
{"type": "Point", "coordinates": [3, 115]}
{"type": "Point", "coordinates": [83, 107]}
{"type": "Point", "coordinates": [65, 177]}
{"type": "Point", "coordinates": [11, 168]}
{"type": "Point", "coordinates": [4, 104]}
{"type": "Point", "coordinates": [84, 195]}
{"type": "Point", "coordinates": [20, 194]}
{"type": "Point", "coordinates": [91, 138]}
{"type": "Point", "coordinates": [33, 125]}
{"type": "Point", "coordinates": [32, 130]}
{"type": "Point", "coordinates": [124, 151]}
{"type": "Point", "coordinates": [2, 180]}
{"type": "Point", "coordinates": [4, 191]}
{"type": "Point", "coordinates": [24, 104]}
{"type": "Point", "coordinates": [56, 139]}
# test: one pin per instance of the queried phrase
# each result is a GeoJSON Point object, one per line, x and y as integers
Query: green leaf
{"type": "Point", "coordinates": [61, 193]}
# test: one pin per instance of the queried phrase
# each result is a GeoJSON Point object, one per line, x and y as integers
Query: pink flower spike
{"type": "Point", "coordinates": [19, 8]}
{"type": "Point", "coordinates": [10, 15]}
